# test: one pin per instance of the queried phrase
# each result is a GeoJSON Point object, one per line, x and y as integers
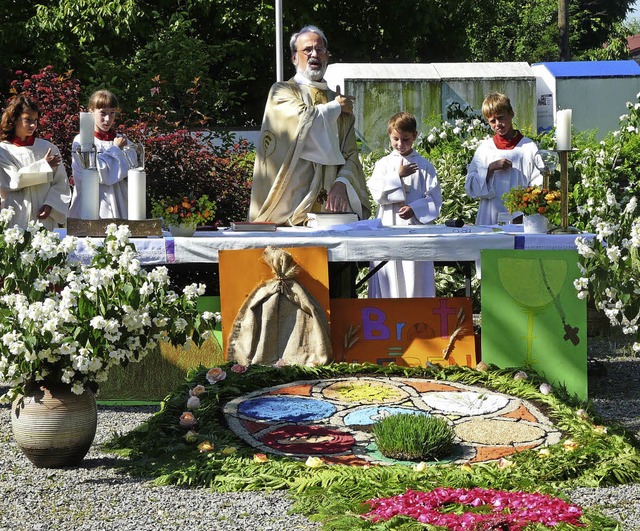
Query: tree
{"type": "Point", "coordinates": [16, 47]}
{"type": "Point", "coordinates": [527, 30]}
{"type": "Point", "coordinates": [214, 60]}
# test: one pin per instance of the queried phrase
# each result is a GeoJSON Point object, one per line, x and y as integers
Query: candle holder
{"type": "Point", "coordinates": [85, 156]}
{"type": "Point", "coordinates": [564, 192]}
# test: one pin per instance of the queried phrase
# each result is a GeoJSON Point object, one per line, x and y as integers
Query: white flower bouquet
{"type": "Point", "coordinates": [63, 321]}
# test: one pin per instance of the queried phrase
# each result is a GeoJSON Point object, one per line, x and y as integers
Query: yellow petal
{"type": "Point", "coordinates": [314, 462]}
{"type": "Point", "coordinates": [206, 446]}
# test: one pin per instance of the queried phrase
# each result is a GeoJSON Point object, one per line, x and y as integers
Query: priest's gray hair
{"type": "Point", "coordinates": [306, 29]}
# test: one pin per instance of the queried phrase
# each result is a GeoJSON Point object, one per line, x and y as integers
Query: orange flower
{"type": "Point", "coordinates": [174, 211]}
{"type": "Point", "coordinates": [260, 458]}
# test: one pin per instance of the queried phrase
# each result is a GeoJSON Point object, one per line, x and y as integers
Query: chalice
{"type": "Point", "coordinates": [546, 160]}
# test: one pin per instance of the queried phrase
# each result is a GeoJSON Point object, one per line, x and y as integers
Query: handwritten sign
{"type": "Point", "coordinates": [409, 332]}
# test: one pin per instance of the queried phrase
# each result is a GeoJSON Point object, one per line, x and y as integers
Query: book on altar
{"type": "Point", "coordinates": [254, 226]}
{"type": "Point", "coordinates": [328, 219]}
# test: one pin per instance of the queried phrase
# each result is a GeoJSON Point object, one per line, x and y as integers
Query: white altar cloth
{"type": "Point", "coordinates": [365, 243]}
{"type": "Point", "coordinates": [429, 242]}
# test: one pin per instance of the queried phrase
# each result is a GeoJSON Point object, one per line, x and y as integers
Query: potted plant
{"type": "Point", "coordinates": [64, 324]}
{"type": "Point", "coordinates": [181, 215]}
{"type": "Point", "coordinates": [538, 205]}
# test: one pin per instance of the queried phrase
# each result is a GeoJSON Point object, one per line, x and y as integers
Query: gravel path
{"type": "Point", "coordinates": [96, 497]}
{"type": "Point", "coordinates": [614, 388]}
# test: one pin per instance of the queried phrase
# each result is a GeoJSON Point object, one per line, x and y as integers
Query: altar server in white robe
{"type": "Point", "coordinates": [500, 163]}
{"type": "Point", "coordinates": [406, 188]}
{"type": "Point", "coordinates": [33, 180]}
{"type": "Point", "coordinates": [112, 165]}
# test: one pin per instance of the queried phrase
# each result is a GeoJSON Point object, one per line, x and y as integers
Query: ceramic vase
{"type": "Point", "coordinates": [53, 426]}
{"type": "Point", "coordinates": [184, 231]}
{"type": "Point", "coordinates": [535, 224]}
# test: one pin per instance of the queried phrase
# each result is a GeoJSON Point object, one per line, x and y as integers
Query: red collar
{"type": "Point", "coordinates": [27, 142]}
{"type": "Point", "coordinates": [502, 143]}
{"type": "Point", "coordinates": [101, 135]}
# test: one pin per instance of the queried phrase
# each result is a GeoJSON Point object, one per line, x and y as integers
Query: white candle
{"type": "Point", "coordinates": [563, 130]}
{"type": "Point", "coordinates": [89, 194]}
{"type": "Point", "coordinates": [87, 125]}
{"type": "Point", "coordinates": [137, 201]}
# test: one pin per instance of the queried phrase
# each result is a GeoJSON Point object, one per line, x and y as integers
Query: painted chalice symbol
{"type": "Point", "coordinates": [545, 278]}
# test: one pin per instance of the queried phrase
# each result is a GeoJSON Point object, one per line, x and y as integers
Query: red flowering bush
{"type": "Point", "coordinates": [183, 162]}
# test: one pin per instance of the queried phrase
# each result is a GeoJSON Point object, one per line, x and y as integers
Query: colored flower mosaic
{"type": "Point", "coordinates": [332, 419]}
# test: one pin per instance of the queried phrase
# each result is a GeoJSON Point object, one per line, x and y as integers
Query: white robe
{"type": "Point", "coordinates": [523, 173]}
{"type": "Point", "coordinates": [421, 191]}
{"type": "Point", "coordinates": [112, 175]}
{"type": "Point", "coordinates": [20, 165]}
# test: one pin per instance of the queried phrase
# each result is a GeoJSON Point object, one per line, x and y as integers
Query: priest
{"type": "Point", "coordinates": [307, 157]}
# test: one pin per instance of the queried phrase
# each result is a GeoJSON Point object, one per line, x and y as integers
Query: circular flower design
{"type": "Point", "coordinates": [282, 408]}
{"type": "Point", "coordinates": [287, 419]}
{"type": "Point", "coordinates": [308, 440]}
{"type": "Point", "coordinates": [466, 402]}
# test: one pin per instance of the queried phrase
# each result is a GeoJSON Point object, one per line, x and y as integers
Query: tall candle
{"type": "Point", "coordinates": [89, 194]}
{"type": "Point", "coordinates": [563, 130]}
{"type": "Point", "coordinates": [137, 201]}
{"type": "Point", "coordinates": [87, 125]}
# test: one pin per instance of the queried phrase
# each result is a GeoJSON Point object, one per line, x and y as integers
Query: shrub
{"type": "Point", "coordinates": [183, 162]}
{"type": "Point", "coordinates": [413, 437]}
{"type": "Point", "coordinates": [606, 199]}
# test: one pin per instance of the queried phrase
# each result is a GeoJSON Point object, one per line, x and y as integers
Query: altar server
{"type": "Point", "coordinates": [112, 164]}
{"type": "Point", "coordinates": [500, 163]}
{"type": "Point", "coordinates": [406, 188]}
{"type": "Point", "coordinates": [33, 180]}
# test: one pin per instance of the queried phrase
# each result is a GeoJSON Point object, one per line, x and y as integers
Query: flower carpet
{"type": "Point", "coordinates": [332, 418]}
{"type": "Point", "coordinates": [519, 443]}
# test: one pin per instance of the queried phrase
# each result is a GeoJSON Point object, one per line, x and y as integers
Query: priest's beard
{"type": "Point", "coordinates": [313, 75]}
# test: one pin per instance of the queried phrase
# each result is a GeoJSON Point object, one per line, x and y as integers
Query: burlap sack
{"type": "Point", "coordinates": [280, 321]}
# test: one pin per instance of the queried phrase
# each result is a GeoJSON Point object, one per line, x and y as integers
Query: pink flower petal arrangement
{"type": "Point", "coordinates": [215, 375]}
{"type": "Point", "coordinates": [513, 509]}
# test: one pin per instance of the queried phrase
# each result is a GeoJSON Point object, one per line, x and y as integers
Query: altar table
{"type": "Point", "coordinates": [437, 243]}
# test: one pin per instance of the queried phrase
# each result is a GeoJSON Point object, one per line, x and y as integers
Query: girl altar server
{"type": "Point", "coordinates": [111, 162]}
{"type": "Point", "coordinates": [33, 180]}
{"type": "Point", "coordinates": [405, 186]}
